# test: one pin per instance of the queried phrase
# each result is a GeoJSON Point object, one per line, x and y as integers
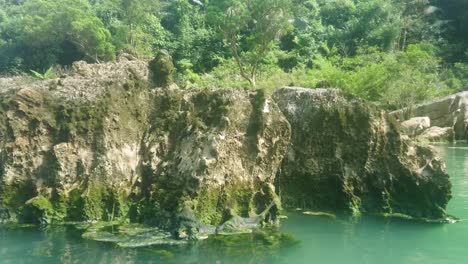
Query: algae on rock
{"type": "Point", "coordinates": [346, 155]}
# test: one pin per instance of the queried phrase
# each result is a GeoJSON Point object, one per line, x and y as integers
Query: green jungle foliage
{"type": "Point", "coordinates": [395, 52]}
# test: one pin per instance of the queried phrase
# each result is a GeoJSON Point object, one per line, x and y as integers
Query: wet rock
{"type": "Point", "coordinates": [347, 155]}
{"type": "Point", "coordinates": [187, 226]}
{"type": "Point", "coordinates": [129, 236]}
{"type": "Point", "coordinates": [238, 225]}
{"type": "Point", "coordinates": [38, 210]}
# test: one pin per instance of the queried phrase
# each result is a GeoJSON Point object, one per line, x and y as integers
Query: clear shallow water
{"type": "Point", "coordinates": [322, 240]}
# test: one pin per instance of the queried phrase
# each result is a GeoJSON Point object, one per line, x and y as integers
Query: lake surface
{"type": "Point", "coordinates": [321, 239]}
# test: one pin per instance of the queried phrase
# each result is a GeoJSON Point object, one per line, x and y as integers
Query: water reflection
{"type": "Point", "coordinates": [65, 245]}
{"type": "Point", "coordinates": [456, 158]}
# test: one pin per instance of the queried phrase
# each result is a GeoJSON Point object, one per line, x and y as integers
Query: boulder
{"type": "Point", "coordinates": [437, 134]}
{"type": "Point", "coordinates": [416, 125]}
{"type": "Point", "coordinates": [123, 151]}
{"type": "Point", "coordinates": [347, 155]}
{"type": "Point", "coordinates": [162, 69]}
{"type": "Point", "coordinates": [450, 111]}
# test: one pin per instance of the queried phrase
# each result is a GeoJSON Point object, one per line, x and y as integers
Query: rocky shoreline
{"type": "Point", "coordinates": [102, 143]}
{"type": "Point", "coordinates": [441, 120]}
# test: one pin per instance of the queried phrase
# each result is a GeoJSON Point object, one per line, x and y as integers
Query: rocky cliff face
{"type": "Point", "coordinates": [101, 144]}
{"type": "Point", "coordinates": [347, 155]}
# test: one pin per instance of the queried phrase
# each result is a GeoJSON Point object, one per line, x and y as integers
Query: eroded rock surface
{"type": "Point", "coordinates": [347, 155]}
{"type": "Point", "coordinates": [100, 144]}
{"type": "Point", "coordinates": [122, 151]}
{"type": "Point", "coordinates": [437, 134]}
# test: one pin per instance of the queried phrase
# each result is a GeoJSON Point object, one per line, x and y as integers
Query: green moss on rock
{"type": "Point", "coordinates": [37, 208]}
{"type": "Point", "coordinates": [107, 148]}
{"type": "Point", "coordinates": [162, 69]}
{"type": "Point", "coordinates": [93, 206]}
{"type": "Point", "coordinates": [347, 155]}
{"type": "Point", "coordinates": [14, 196]}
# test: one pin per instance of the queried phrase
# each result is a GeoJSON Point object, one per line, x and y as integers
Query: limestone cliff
{"type": "Point", "coordinates": [101, 144]}
{"type": "Point", "coordinates": [347, 155]}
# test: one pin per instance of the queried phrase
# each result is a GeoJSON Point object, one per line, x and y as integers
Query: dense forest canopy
{"type": "Point", "coordinates": [393, 52]}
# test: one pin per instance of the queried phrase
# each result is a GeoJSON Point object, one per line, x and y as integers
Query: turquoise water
{"type": "Point", "coordinates": [321, 240]}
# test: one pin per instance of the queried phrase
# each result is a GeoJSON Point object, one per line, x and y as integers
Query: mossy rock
{"type": "Point", "coordinates": [162, 69]}
{"type": "Point", "coordinates": [128, 236]}
{"type": "Point", "coordinates": [261, 241]}
{"type": "Point", "coordinates": [348, 156]}
{"type": "Point", "coordinates": [38, 210]}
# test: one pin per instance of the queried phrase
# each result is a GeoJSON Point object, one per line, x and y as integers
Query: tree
{"type": "Point", "coordinates": [250, 28]}
{"type": "Point", "coordinates": [194, 45]}
{"type": "Point", "coordinates": [454, 14]}
{"type": "Point", "coordinates": [134, 14]}
{"type": "Point", "coordinates": [415, 24]}
{"type": "Point", "coordinates": [40, 33]}
{"type": "Point", "coordinates": [351, 24]}
{"type": "Point", "coordinates": [307, 40]}
{"type": "Point", "coordinates": [134, 24]}
{"type": "Point", "coordinates": [91, 38]}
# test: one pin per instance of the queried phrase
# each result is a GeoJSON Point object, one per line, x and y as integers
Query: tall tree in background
{"type": "Point", "coordinates": [354, 24]}
{"type": "Point", "coordinates": [415, 22]}
{"type": "Point", "coordinates": [194, 46]}
{"type": "Point", "coordinates": [251, 28]}
{"type": "Point", "coordinates": [307, 40]}
{"type": "Point", "coordinates": [454, 13]}
{"type": "Point", "coordinates": [134, 14]}
{"type": "Point", "coordinates": [40, 33]}
{"type": "Point", "coordinates": [135, 24]}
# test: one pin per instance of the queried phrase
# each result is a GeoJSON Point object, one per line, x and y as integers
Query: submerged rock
{"type": "Point", "coordinates": [261, 240]}
{"type": "Point", "coordinates": [129, 236]}
{"type": "Point", "coordinates": [324, 214]}
{"type": "Point", "coordinates": [102, 146]}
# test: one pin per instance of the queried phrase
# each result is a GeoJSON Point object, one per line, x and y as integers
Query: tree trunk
{"type": "Point", "coordinates": [253, 81]}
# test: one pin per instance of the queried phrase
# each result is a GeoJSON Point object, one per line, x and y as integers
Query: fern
{"type": "Point", "coordinates": [49, 74]}
{"type": "Point", "coordinates": [38, 75]}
